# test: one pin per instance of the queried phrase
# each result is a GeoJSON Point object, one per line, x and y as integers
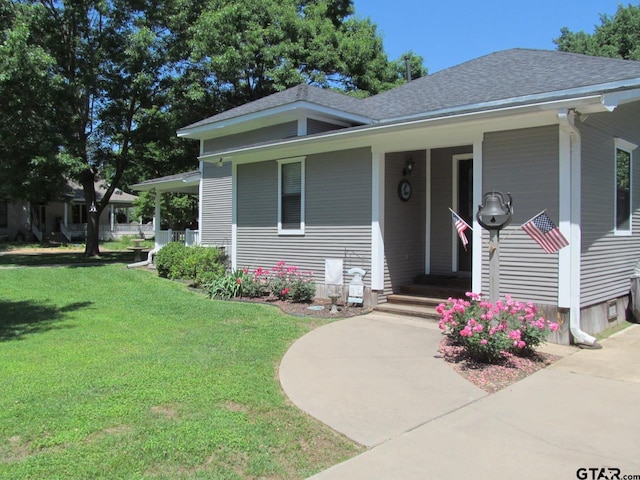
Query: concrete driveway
{"type": "Point", "coordinates": [378, 380]}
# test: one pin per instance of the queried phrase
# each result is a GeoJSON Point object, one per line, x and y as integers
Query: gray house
{"type": "Point", "coordinates": [307, 175]}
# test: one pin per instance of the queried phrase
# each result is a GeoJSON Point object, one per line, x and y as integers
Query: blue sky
{"type": "Point", "coordinates": [449, 32]}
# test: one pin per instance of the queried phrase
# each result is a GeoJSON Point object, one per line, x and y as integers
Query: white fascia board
{"type": "Point", "coordinates": [325, 112]}
{"type": "Point", "coordinates": [612, 100]}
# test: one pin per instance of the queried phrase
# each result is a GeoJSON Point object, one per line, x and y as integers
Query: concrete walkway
{"type": "Point", "coordinates": [378, 380]}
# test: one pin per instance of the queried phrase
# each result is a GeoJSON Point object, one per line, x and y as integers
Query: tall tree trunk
{"type": "Point", "coordinates": [92, 247]}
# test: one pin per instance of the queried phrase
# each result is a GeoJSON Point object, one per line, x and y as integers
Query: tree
{"type": "Point", "coordinates": [109, 81]}
{"type": "Point", "coordinates": [104, 69]}
{"type": "Point", "coordinates": [252, 48]}
{"type": "Point", "coordinates": [29, 164]}
{"type": "Point", "coordinates": [618, 36]}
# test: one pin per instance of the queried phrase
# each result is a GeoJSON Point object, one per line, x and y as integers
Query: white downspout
{"type": "Point", "coordinates": [570, 213]}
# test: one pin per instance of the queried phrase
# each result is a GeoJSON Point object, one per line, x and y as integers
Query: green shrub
{"type": "Point", "coordinates": [200, 264]}
{"type": "Point", "coordinates": [168, 257]}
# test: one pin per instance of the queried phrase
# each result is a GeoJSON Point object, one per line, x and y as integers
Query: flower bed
{"type": "Point", "coordinates": [492, 377]}
{"type": "Point", "coordinates": [284, 282]}
{"type": "Point", "coordinates": [487, 332]}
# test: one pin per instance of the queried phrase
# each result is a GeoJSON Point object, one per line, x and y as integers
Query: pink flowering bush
{"type": "Point", "coordinates": [285, 282]}
{"type": "Point", "coordinates": [487, 330]}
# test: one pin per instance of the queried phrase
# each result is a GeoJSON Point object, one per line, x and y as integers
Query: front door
{"type": "Point", "coordinates": [465, 210]}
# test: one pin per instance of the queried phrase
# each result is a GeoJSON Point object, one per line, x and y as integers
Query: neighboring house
{"type": "Point", "coordinates": [306, 175]}
{"type": "Point", "coordinates": [66, 218]}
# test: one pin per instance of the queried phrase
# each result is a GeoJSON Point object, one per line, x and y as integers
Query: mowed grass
{"type": "Point", "coordinates": [115, 373]}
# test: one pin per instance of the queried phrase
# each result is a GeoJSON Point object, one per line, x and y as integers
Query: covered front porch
{"type": "Point", "coordinates": [188, 183]}
{"type": "Point", "coordinates": [423, 254]}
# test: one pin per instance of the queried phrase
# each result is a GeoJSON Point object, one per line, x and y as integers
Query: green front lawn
{"type": "Point", "coordinates": [115, 373]}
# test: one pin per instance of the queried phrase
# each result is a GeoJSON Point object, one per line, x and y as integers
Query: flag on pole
{"type": "Point", "coordinates": [461, 226]}
{"type": "Point", "coordinates": [541, 229]}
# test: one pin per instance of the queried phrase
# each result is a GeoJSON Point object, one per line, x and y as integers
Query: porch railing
{"type": "Point", "coordinates": [133, 228]}
{"type": "Point", "coordinates": [188, 237]}
{"type": "Point", "coordinates": [74, 231]}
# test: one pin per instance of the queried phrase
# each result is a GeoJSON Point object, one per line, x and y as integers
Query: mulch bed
{"type": "Point", "coordinates": [492, 378]}
{"type": "Point", "coordinates": [318, 308]}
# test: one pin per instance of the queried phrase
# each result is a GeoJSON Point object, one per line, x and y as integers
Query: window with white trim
{"type": "Point", "coordinates": [623, 163]}
{"type": "Point", "coordinates": [291, 196]}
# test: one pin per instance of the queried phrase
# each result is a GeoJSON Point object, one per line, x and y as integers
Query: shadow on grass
{"type": "Point", "coordinates": [63, 258]}
{"type": "Point", "coordinates": [19, 319]}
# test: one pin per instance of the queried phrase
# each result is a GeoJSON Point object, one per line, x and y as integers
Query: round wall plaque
{"type": "Point", "coordinates": [404, 190]}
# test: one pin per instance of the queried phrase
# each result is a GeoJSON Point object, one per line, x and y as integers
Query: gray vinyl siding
{"type": "Point", "coordinates": [404, 225]}
{"type": "Point", "coordinates": [524, 163]}
{"type": "Point", "coordinates": [216, 205]}
{"type": "Point", "coordinates": [259, 135]}
{"type": "Point", "coordinates": [318, 126]}
{"type": "Point", "coordinates": [337, 214]}
{"type": "Point", "coordinates": [607, 260]}
{"type": "Point", "coordinates": [442, 231]}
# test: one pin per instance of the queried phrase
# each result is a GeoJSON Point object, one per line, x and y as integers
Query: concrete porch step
{"type": "Point", "coordinates": [412, 310]}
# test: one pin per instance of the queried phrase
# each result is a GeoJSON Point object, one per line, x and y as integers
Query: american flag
{"type": "Point", "coordinates": [545, 233]}
{"type": "Point", "coordinates": [461, 226]}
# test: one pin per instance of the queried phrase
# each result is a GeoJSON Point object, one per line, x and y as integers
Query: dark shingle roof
{"type": "Point", "coordinates": [505, 76]}
{"type": "Point", "coordinates": [299, 93]}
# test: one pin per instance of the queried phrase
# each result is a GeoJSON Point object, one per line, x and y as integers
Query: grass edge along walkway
{"type": "Point", "coordinates": [115, 373]}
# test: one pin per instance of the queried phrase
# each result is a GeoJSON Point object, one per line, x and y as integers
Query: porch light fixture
{"type": "Point", "coordinates": [219, 162]}
{"type": "Point", "coordinates": [408, 167]}
{"type": "Point", "coordinates": [92, 208]}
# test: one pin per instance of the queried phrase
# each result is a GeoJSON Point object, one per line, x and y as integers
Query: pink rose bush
{"type": "Point", "coordinates": [487, 331]}
{"type": "Point", "coordinates": [285, 282]}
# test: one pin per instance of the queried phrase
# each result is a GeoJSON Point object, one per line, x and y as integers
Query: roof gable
{"type": "Point", "coordinates": [292, 97]}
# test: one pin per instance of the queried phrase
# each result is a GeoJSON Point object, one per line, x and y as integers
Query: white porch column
{"type": "Point", "coordinates": [65, 215]}
{"type": "Point", "coordinates": [156, 217]}
{"type": "Point", "coordinates": [234, 216]}
{"type": "Point", "coordinates": [112, 217]}
{"type": "Point", "coordinates": [377, 219]}
{"type": "Point", "coordinates": [476, 261]}
{"type": "Point", "coordinates": [427, 222]}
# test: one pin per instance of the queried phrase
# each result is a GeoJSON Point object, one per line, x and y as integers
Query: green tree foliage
{"type": "Point", "coordinates": [254, 48]}
{"type": "Point", "coordinates": [94, 90]}
{"type": "Point", "coordinates": [29, 137]}
{"type": "Point", "coordinates": [617, 36]}
{"type": "Point", "coordinates": [103, 73]}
